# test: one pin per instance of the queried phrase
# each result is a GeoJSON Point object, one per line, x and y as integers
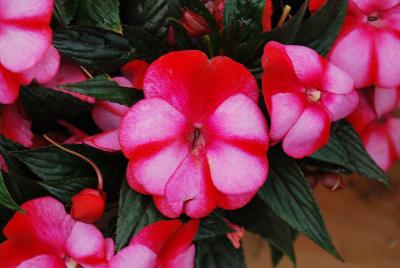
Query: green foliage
{"type": "Point", "coordinates": [100, 13]}
{"type": "Point", "coordinates": [104, 88]}
{"type": "Point", "coordinates": [212, 226]}
{"type": "Point", "coordinates": [288, 194]}
{"type": "Point", "coordinates": [5, 198]}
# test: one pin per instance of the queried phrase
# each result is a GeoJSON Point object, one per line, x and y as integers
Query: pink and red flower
{"type": "Point", "coordinates": [25, 41]}
{"type": "Point", "coordinates": [162, 244]}
{"type": "Point", "coordinates": [198, 140]}
{"type": "Point", "coordinates": [368, 46]}
{"type": "Point", "coordinates": [46, 236]}
{"type": "Point", "coordinates": [304, 93]}
{"type": "Point", "coordinates": [375, 123]}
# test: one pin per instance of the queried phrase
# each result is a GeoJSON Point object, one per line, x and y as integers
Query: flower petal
{"type": "Point", "coordinates": [336, 80]}
{"type": "Point", "coordinates": [154, 172]}
{"type": "Point", "coordinates": [191, 189]}
{"type": "Point", "coordinates": [184, 260]}
{"type": "Point", "coordinates": [352, 52]}
{"type": "Point", "coordinates": [379, 147]}
{"type": "Point", "coordinates": [21, 48]}
{"type": "Point", "coordinates": [369, 6]}
{"type": "Point", "coordinates": [14, 126]}
{"type": "Point", "coordinates": [45, 261]}
{"type": "Point", "coordinates": [46, 222]}
{"type": "Point", "coordinates": [340, 105]}
{"type": "Point", "coordinates": [45, 70]}
{"type": "Point", "coordinates": [285, 109]}
{"type": "Point", "coordinates": [234, 171]}
{"type": "Point", "coordinates": [195, 85]}
{"type": "Point", "coordinates": [107, 115]}
{"type": "Point", "coordinates": [310, 133]}
{"type": "Point", "coordinates": [9, 87]}
{"type": "Point", "coordinates": [307, 65]}
{"type": "Point", "coordinates": [134, 256]}
{"type": "Point", "coordinates": [134, 71]}
{"type": "Point", "coordinates": [388, 53]}
{"type": "Point", "coordinates": [34, 10]}
{"type": "Point", "coordinates": [385, 100]}
{"type": "Point", "coordinates": [106, 141]}
{"type": "Point", "coordinates": [238, 117]}
{"type": "Point", "coordinates": [364, 113]}
{"type": "Point", "coordinates": [150, 121]}
{"type": "Point", "coordinates": [231, 202]}
{"type": "Point", "coordinates": [393, 130]}
{"type": "Point", "coordinates": [86, 244]}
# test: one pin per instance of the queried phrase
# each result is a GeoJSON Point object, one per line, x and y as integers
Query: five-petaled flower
{"type": "Point", "coordinates": [378, 127]}
{"type": "Point", "coordinates": [198, 140]}
{"type": "Point", "coordinates": [46, 236]}
{"type": "Point", "coordinates": [368, 46]}
{"type": "Point", "coordinates": [161, 244]}
{"type": "Point", "coordinates": [25, 45]}
{"type": "Point", "coordinates": [304, 93]}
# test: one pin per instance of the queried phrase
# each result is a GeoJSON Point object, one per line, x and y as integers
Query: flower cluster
{"type": "Point", "coordinates": [198, 137]}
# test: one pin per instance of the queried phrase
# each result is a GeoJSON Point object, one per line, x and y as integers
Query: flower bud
{"type": "Point", "coordinates": [88, 205]}
{"type": "Point", "coordinates": [194, 24]}
{"type": "Point", "coordinates": [332, 181]}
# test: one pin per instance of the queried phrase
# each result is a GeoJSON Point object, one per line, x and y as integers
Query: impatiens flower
{"type": "Point", "coordinates": [25, 38]}
{"type": "Point", "coordinates": [304, 93]}
{"type": "Point", "coordinates": [236, 235]}
{"type": "Point", "coordinates": [198, 140]}
{"type": "Point", "coordinates": [368, 46]}
{"type": "Point", "coordinates": [164, 244]}
{"type": "Point", "coordinates": [46, 236]}
{"type": "Point", "coordinates": [315, 5]}
{"type": "Point", "coordinates": [375, 123]}
{"type": "Point", "coordinates": [134, 71]}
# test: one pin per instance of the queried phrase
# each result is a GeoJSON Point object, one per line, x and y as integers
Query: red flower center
{"type": "Point", "coordinates": [374, 19]}
{"type": "Point", "coordinates": [71, 263]}
{"type": "Point", "coordinates": [197, 141]}
{"type": "Point", "coordinates": [313, 95]}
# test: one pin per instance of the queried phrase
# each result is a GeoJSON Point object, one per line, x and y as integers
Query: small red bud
{"type": "Point", "coordinates": [88, 205]}
{"type": "Point", "coordinates": [195, 25]}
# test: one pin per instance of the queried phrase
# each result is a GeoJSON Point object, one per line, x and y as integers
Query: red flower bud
{"type": "Point", "coordinates": [88, 205]}
{"type": "Point", "coordinates": [195, 25]}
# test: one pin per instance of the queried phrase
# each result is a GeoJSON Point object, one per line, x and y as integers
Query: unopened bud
{"type": "Point", "coordinates": [88, 205]}
{"type": "Point", "coordinates": [194, 24]}
{"type": "Point", "coordinates": [332, 181]}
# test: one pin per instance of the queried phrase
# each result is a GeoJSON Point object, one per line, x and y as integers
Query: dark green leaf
{"type": "Point", "coordinates": [103, 88]}
{"type": "Point", "coordinates": [276, 255]}
{"type": "Point", "coordinates": [212, 226]}
{"type": "Point", "coordinates": [65, 189]}
{"type": "Point", "coordinates": [5, 216]}
{"type": "Point", "coordinates": [135, 212]}
{"type": "Point", "coordinates": [320, 30]}
{"type": "Point", "coordinates": [5, 198]}
{"type": "Point", "coordinates": [64, 11]}
{"type": "Point", "coordinates": [288, 194]}
{"type": "Point", "coordinates": [100, 13]}
{"type": "Point", "coordinates": [149, 15]}
{"type": "Point", "coordinates": [218, 253]}
{"type": "Point", "coordinates": [96, 49]}
{"type": "Point", "coordinates": [258, 218]}
{"type": "Point", "coordinates": [41, 103]}
{"type": "Point", "coordinates": [346, 149]}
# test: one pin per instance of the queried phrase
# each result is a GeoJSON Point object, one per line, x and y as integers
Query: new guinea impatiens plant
{"type": "Point", "coordinates": [155, 133]}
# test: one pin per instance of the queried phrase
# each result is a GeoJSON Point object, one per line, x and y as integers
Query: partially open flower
{"type": "Point", "coordinates": [368, 46]}
{"type": "Point", "coordinates": [88, 205]}
{"type": "Point", "coordinates": [378, 127]}
{"type": "Point", "coordinates": [161, 244]}
{"type": "Point", "coordinates": [195, 24]}
{"type": "Point", "coordinates": [198, 140]}
{"type": "Point", "coordinates": [304, 93]}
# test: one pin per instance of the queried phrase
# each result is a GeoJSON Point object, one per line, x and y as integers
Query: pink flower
{"type": "Point", "coordinates": [236, 235]}
{"type": "Point", "coordinates": [161, 244]}
{"type": "Point", "coordinates": [375, 123]}
{"type": "Point", "coordinates": [368, 46]}
{"type": "Point", "coordinates": [198, 140]}
{"type": "Point", "coordinates": [46, 236]}
{"type": "Point", "coordinates": [304, 93]}
{"type": "Point", "coordinates": [25, 40]}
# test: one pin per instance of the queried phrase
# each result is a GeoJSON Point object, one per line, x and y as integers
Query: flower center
{"type": "Point", "coordinates": [71, 263]}
{"type": "Point", "coordinates": [313, 95]}
{"type": "Point", "coordinates": [374, 19]}
{"type": "Point", "coordinates": [197, 141]}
